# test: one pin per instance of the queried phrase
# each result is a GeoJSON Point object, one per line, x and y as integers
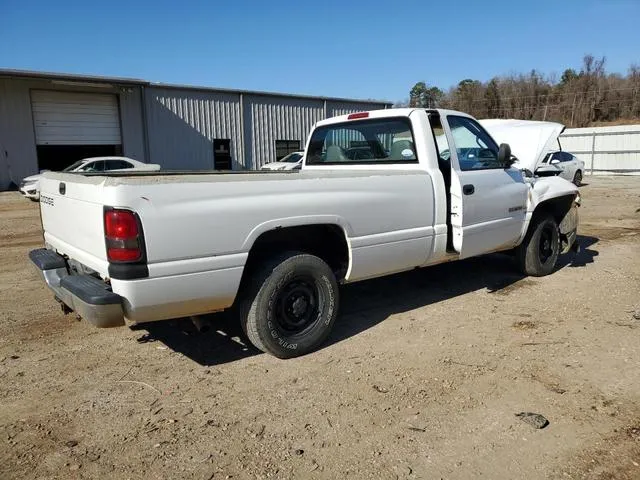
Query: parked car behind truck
{"type": "Point", "coordinates": [30, 186]}
{"type": "Point", "coordinates": [293, 161]}
{"type": "Point", "coordinates": [154, 246]}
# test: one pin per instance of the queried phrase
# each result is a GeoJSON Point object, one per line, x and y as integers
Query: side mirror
{"type": "Point", "coordinates": [555, 161]}
{"type": "Point", "coordinates": [504, 155]}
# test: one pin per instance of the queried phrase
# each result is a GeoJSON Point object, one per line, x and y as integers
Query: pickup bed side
{"type": "Point", "coordinates": [200, 230]}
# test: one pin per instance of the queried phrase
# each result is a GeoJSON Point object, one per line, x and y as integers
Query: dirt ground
{"type": "Point", "coordinates": [421, 378]}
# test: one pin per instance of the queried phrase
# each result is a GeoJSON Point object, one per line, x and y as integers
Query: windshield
{"type": "Point", "coordinates": [291, 158]}
{"type": "Point", "coordinates": [383, 140]}
{"type": "Point", "coordinates": [73, 166]}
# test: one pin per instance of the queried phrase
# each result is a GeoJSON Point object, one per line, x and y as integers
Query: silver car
{"type": "Point", "coordinates": [572, 167]}
{"type": "Point", "coordinates": [30, 186]}
{"type": "Point", "coordinates": [293, 161]}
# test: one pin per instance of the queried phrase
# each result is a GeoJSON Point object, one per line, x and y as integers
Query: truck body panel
{"type": "Point", "coordinates": [198, 230]}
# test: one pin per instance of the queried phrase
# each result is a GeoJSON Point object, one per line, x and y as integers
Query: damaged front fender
{"type": "Point", "coordinates": [569, 228]}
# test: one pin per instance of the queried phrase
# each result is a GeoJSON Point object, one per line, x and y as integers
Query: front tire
{"type": "Point", "coordinates": [290, 305]}
{"type": "Point", "coordinates": [538, 253]}
{"type": "Point", "coordinates": [577, 178]}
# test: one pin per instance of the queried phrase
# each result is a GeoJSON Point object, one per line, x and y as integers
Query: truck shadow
{"type": "Point", "coordinates": [363, 304]}
{"type": "Point", "coordinates": [366, 304]}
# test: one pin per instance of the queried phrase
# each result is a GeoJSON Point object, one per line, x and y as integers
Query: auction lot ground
{"type": "Point", "coordinates": [422, 377]}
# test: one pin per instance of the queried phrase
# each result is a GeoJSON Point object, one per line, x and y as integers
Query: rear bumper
{"type": "Point", "coordinates": [86, 295]}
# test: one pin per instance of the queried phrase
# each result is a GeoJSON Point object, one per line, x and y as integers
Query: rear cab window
{"type": "Point", "coordinates": [363, 142]}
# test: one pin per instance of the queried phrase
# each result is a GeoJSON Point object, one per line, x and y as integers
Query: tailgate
{"type": "Point", "coordinates": [72, 218]}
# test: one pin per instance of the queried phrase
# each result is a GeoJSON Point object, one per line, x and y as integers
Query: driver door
{"type": "Point", "coordinates": [488, 201]}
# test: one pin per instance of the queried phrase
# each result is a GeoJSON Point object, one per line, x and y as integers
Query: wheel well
{"type": "Point", "coordinates": [327, 242]}
{"type": "Point", "coordinates": [557, 207]}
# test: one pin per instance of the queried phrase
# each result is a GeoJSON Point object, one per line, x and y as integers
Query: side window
{"type": "Point", "coordinates": [285, 147]}
{"type": "Point", "coordinates": [442, 144]}
{"type": "Point", "coordinates": [384, 140]}
{"type": "Point", "coordinates": [116, 165]}
{"type": "Point", "coordinates": [562, 156]}
{"type": "Point", "coordinates": [94, 166]}
{"type": "Point", "coordinates": [476, 150]}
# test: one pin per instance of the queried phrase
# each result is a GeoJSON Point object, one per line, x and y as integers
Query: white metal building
{"type": "Point", "coordinates": [49, 120]}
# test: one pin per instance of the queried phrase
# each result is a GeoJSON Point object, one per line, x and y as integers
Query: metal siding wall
{"type": "Point", "coordinates": [621, 144]}
{"type": "Point", "coordinates": [183, 123]}
{"type": "Point", "coordinates": [132, 124]}
{"type": "Point", "coordinates": [18, 157]}
{"type": "Point", "coordinates": [268, 119]}
{"type": "Point", "coordinates": [17, 136]}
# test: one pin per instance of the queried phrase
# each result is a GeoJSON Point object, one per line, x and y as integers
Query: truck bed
{"type": "Point", "coordinates": [188, 216]}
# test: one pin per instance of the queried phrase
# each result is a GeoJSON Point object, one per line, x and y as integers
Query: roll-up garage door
{"type": "Point", "coordinates": [69, 118]}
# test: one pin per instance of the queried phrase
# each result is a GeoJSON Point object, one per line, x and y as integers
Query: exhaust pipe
{"type": "Point", "coordinates": [202, 325]}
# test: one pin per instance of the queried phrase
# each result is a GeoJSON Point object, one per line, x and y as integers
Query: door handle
{"type": "Point", "coordinates": [468, 189]}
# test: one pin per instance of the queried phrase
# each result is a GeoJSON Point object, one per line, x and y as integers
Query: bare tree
{"type": "Point", "coordinates": [579, 98]}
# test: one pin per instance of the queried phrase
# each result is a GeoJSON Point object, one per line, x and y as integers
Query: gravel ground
{"type": "Point", "coordinates": [422, 378]}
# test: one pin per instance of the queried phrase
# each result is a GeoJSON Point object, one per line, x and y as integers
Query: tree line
{"type": "Point", "coordinates": [578, 99]}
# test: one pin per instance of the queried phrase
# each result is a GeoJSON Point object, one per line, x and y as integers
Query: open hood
{"type": "Point", "coordinates": [529, 140]}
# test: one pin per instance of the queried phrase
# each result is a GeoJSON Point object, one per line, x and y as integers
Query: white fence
{"type": "Point", "coordinates": [605, 150]}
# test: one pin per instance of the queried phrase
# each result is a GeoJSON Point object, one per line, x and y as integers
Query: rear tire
{"type": "Point", "coordinates": [538, 253]}
{"type": "Point", "coordinates": [290, 305]}
{"type": "Point", "coordinates": [577, 178]}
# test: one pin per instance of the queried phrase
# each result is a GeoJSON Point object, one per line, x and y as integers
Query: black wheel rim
{"type": "Point", "coordinates": [296, 306]}
{"type": "Point", "coordinates": [546, 244]}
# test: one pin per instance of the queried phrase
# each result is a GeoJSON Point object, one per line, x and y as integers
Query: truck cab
{"type": "Point", "coordinates": [489, 202]}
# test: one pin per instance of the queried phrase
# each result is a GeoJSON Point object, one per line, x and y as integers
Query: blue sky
{"type": "Point", "coordinates": [360, 49]}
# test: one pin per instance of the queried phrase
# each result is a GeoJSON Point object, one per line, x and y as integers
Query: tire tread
{"type": "Point", "coordinates": [527, 251]}
{"type": "Point", "coordinates": [248, 305]}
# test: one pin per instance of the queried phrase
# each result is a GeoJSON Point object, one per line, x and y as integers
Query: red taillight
{"type": "Point", "coordinates": [120, 224]}
{"type": "Point", "coordinates": [122, 236]}
{"type": "Point", "coordinates": [353, 116]}
{"type": "Point", "coordinates": [123, 254]}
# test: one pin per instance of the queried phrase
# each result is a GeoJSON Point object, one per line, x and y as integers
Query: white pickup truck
{"type": "Point", "coordinates": [426, 187]}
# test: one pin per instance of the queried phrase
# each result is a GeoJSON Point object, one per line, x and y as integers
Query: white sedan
{"type": "Point", "coordinates": [572, 167]}
{"type": "Point", "coordinates": [30, 186]}
{"type": "Point", "coordinates": [293, 161]}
